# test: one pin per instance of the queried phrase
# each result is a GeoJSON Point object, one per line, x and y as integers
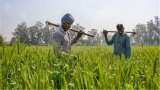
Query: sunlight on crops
{"type": "Point", "coordinates": [86, 67]}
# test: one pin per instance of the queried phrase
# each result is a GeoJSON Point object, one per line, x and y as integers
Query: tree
{"type": "Point", "coordinates": [29, 35]}
{"type": "Point", "coordinates": [36, 33]}
{"type": "Point", "coordinates": [21, 33]}
{"type": "Point", "coordinates": [13, 40]}
{"type": "Point", "coordinates": [47, 34]}
{"type": "Point", "coordinates": [140, 30]}
{"type": "Point", "coordinates": [1, 40]}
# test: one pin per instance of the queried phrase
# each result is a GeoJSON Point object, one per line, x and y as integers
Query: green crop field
{"type": "Point", "coordinates": [85, 67]}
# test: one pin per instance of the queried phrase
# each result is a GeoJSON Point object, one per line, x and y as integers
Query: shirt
{"type": "Point", "coordinates": [63, 39]}
{"type": "Point", "coordinates": [121, 44]}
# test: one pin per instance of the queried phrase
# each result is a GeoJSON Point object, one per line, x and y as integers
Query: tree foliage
{"type": "Point", "coordinates": [35, 34]}
{"type": "Point", "coordinates": [1, 40]}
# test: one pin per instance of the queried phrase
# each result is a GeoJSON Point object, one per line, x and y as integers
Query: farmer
{"type": "Point", "coordinates": [62, 36]}
{"type": "Point", "coordinates": [121, 42]}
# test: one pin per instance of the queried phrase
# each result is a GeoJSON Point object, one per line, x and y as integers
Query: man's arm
{"type": "Point", "coordinates": [109, 42]}
{"type": "Point", "coordinates": [76, 38]}
{"type": "Point", "coordinates": [128, 48]}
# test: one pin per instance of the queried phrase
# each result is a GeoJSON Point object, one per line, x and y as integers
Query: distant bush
{"type": "Point", "coordinates": [1, 40]}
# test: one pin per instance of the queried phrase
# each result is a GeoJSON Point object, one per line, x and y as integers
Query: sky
{"type": "Point", "coordinates": [97, 14]}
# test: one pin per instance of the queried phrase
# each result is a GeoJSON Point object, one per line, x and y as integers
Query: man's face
{"type": "Point", "coordinates": [120, 30]}
{"type": "Point", "coordinates": [66, 26]}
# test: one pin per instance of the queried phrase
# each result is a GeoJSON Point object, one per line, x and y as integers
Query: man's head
{"type": "Point", "coordinates": [120, 28]}
{"type": "Point", "coordinates": [66, 21]}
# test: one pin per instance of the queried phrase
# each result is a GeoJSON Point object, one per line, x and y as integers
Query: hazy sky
{"type": "Point", "coordinates": [97, 14]}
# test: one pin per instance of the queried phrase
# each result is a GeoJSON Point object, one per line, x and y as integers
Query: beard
{"type": "Point", "coordinates": [120, 32]}
{"type": "Point", "coordinates": [65, 27]}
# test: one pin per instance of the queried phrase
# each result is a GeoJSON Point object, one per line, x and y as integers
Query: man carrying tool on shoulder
{"type": "Point", "coordinates": [62, 36]}
{"type": "Point", "coordinates": [121, 42]}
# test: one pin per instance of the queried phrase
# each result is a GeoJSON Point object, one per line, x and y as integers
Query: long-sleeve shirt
{"type": "Point", "coordinates": [63, 39]}
{"type": "Point", "coordinates": [121, 44]}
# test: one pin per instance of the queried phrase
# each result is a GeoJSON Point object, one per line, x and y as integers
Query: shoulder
{"type": "Point", "coordinates": [126, 35]}
{"type": "Point", "coordinates": [115, 34]}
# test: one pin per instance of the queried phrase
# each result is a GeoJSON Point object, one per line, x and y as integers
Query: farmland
{"type": "Point", "coordinates": [85, 67]}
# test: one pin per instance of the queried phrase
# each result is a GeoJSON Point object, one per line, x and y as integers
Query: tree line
{"type": "Point", "coordinates": [35, 34]}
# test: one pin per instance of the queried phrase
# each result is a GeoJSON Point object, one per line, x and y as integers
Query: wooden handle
{"type": "Point", "coordinates": [49, 23]}
{"type": "Point", "coordinates": [125, 32]}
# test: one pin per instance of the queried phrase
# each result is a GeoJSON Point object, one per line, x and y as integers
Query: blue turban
{"type": "Point", "coordinates": [67, 18]}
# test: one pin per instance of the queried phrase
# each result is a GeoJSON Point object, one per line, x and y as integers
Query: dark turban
{"type": "Point", "coordinates": [67, 18]}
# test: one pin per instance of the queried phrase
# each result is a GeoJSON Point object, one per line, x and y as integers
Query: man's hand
{"type": "Point", "coordinates": [134, 33]}
{"type": "Point", "coordinates": [105, 33]}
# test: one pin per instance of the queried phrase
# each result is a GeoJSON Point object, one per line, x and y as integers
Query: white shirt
{"type": "Point", "coordinates": [63, 39]}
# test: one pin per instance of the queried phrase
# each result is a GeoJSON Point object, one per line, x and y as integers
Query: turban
{"type": "Point", "coordinates": [119, 26]}
{"type": "Point", "coordinates": [67, 18]}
